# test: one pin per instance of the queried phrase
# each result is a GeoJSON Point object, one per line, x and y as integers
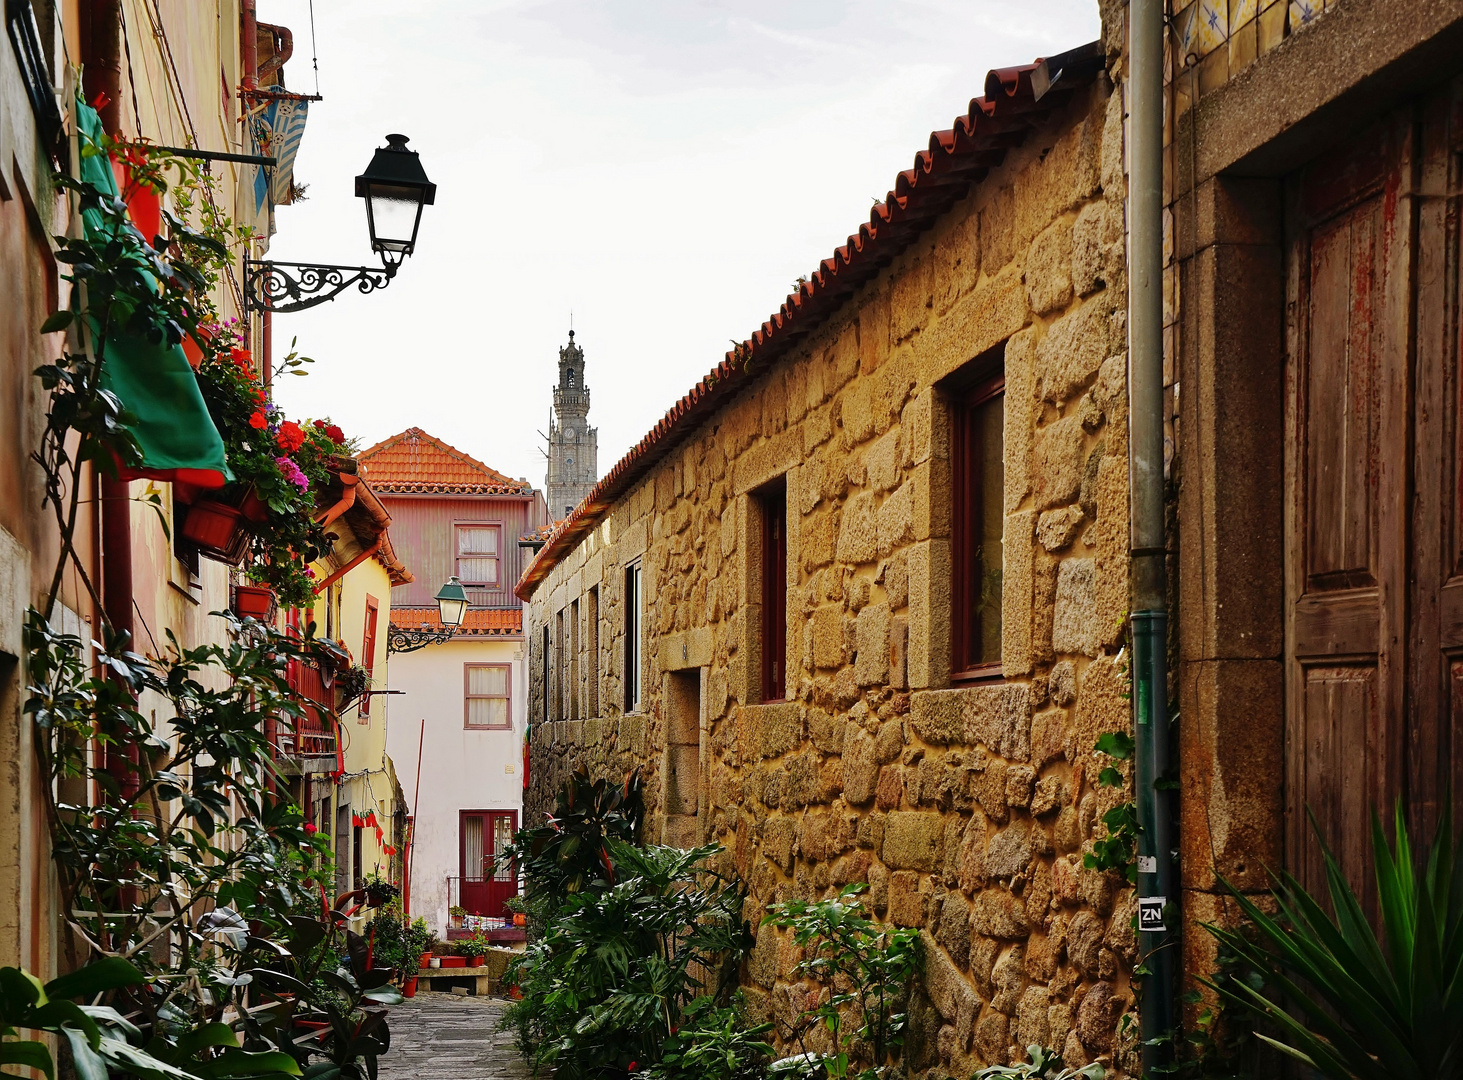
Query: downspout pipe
{"type": "Point", "coordinates": [1158, 886]}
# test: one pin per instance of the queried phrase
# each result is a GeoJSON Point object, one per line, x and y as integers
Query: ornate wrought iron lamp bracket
{"type": "Point", "coordinates": [401, 640]}
{"type": "Point", "coordinates": [270, 286]}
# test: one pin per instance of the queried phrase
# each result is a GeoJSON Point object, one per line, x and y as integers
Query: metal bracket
{"type": "Point", "coordinates": [269, 286]}
{"type": "Point", "coordinates": [400, 640]}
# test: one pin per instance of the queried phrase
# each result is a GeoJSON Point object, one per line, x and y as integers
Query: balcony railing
{"type": "Point", "coordinates": [316, 733]}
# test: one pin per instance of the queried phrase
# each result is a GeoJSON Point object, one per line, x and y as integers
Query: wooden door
{"type": "Point", "coordinates": [1372, 374]}
{"type": "Point", "coordinates": [482, 836]}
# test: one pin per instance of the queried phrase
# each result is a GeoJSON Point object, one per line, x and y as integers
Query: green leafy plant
{"type": "Point", "coordinates": [477, 945]}
{"type": "Point", "coordinates": [619, 964]}
{"type": "Point", "coordinates": [457, 911]}
{"type": "Point", "coordinates": [1118, 850]}
{"type": "Point", "coordinates": [1044, 1065]}
{"type": "Point", "coordinates": [1349, 1004]}
{"type": "Point", "coordinates": [713, 1042]}
{"type": "Point", "coordinates": [866, 967]}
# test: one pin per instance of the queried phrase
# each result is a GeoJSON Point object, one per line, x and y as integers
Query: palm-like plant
{"type": "Point", "coordinates": [1351, 1006]}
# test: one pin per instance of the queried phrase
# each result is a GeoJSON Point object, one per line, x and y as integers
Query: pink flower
{"type": "Point", "coordinates": [292, 473]}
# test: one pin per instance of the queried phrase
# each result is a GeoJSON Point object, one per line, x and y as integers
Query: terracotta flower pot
{"type": "Point", "coordinates": [212, 525]}
{"type": "Point", "coordinates": [253, 508]}
{"type": "Point", "coordinates": [409, 988]}
{"type": "Point", "coordinates": [253, 602]}
{"type": "Point", "coordinates": [426, 960]}
{"type": "Point", "coordinates": [457, 922]}
{"type": "Point", "coordinates": [476, 961]}
{"type": "Point", "coordinates": [454, 961]}
{"type": "Point", "coordinates": [520, 919]}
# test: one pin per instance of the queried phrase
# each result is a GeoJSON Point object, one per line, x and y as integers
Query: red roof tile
{"type": "Point", "coordinates": [1016, 101]}
{"type": "Point", "coordinates": [415, 462]}
{"type": "Point", "coordinates": [479, 622]}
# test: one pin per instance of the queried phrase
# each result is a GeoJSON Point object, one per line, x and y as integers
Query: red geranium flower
{"type": "Point", "coordinates": [242, 359]}
{"type": "Point", "coordinates": [290, 438]}
{"type": "Point", "coordinates": [319, 425]}
{"type": "Point", "coordinates": [335, 435]}
{"type": "Point", "coordinates": [258, 421]}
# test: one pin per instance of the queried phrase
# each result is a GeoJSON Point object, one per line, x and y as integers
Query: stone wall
{"type": "Point", "coordinates": [966, 809]}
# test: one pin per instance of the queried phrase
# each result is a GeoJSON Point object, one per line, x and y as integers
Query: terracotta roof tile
{"type": "Point", "coordinates": [1016, 101]}
{"type": "Point", "coordinates": [415, 462]}
{"type": "Point", "coordinates": [479, 622]}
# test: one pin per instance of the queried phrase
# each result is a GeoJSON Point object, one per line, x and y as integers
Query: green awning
{"type": "Point", "coordinates": [172, 427]}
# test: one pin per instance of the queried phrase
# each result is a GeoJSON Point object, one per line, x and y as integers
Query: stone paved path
{"type": "Point", "coordinates": [441, 1037]}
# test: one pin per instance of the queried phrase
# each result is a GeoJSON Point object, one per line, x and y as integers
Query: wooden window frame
{"type": "Point", "coordinates": [987, 381]}
{"type": "Point", "coordinates": [368, 648]}
{"type": "Point", "coordinates": [548, 667]}
{"type": "Point", "coordinates": [772, 501]}
{"type": "Point", "coordinates": [496, 526]}
{"type": "Point", "coordinates": [468, 698]}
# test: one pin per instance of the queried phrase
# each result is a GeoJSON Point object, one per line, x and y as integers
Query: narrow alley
{"type": "Point", "coordinates": [442, 1037]}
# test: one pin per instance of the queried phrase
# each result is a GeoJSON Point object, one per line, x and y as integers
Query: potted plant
{"type": "Point", "coordinates": [254, 602]}
{"type": "Point", "coordinates": [417, 945]}
{"type": "Point", "coordinates": [457, 913]}
{"type": "Point", "coordinates": [454, 961]}
{"type": "Point", "coordinates": [214, 526]}
{"type": "Point", "coordinates": [518, 908]}
{"type": "Point", "coordinates": [475, 949]}
{"type": "Point", "coordinates": [379, 890]}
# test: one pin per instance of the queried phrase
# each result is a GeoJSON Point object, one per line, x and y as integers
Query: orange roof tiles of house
{"type": "Point", "coordinates": [1016, 101]}
{"type": "Point", "coordinates": [479, 622]}
{"type": "Point", "coordinates": [415, 463]}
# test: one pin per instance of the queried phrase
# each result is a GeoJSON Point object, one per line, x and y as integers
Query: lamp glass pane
{"type": "Point", "coordinates": [452, 611]}
{"type": "Point", "coordinates": [394, 211]}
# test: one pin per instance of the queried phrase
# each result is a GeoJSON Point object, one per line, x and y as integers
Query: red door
{"type": "Point", "coordinates": [481, 836]}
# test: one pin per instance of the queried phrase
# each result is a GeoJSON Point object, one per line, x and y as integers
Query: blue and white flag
{"type": "Point", "coordinates": [277, 130]}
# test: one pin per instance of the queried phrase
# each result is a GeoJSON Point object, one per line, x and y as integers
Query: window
{"type": "Point", "coordinates": [547, 713]}
{"type": "Point", "coordinates": [591, 635]}
{"type": "Point", "coordinates": [558, 677]}
{"type": "Point", "coordinates": [477, 554]}
{"type": "Point", "coordinates": [773, 501]}
{"type": "Point", "coordinates": [575, 698]}
{"type": "Point", "coordinates": [368, 649]}
{"type": "Point", "coordinates": [978, 473]}
{"type": "Point", "coordinates": [357, 876]}
{"type": "Point", "coordinates": [487, 695]}
{"type": "Point", "coordinates": [632, 637]}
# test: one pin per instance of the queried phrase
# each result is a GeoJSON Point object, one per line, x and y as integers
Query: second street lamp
{"type": "Point", "coordinates": [452, 608]}
{"type": "Point", "coordinates": [395, 188]}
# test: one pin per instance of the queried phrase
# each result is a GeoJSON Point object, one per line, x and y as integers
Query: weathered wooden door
{"type": "Point", "coordinates": [1374, 652]}
{"type": "Point", "coordinates": [482, 836]}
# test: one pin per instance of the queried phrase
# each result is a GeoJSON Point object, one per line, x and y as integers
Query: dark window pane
{"type": "Point", "coordinates": [979, 478]}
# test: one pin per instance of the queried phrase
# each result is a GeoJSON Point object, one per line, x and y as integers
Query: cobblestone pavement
{"type": "Point", "coordinates": [442, 1037]}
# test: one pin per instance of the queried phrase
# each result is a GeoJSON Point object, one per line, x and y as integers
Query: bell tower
{"type": "Point", "coordinates": [573, 444]}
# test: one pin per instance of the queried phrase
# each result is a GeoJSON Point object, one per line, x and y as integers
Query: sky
{"type": "Point", "coordinates": [664, 170]}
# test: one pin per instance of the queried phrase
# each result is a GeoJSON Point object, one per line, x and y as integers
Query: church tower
{"type": "Point", "coordinates": [573, 444]}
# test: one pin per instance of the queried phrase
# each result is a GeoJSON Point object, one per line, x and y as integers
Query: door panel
{"type": "Point", "coordinates": [1374, 550]}
{"type": "Point", "coordinates": [482, 835]}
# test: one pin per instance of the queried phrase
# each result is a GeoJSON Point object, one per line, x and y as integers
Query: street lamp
{"type": "Point", "coordinates": [395, 188]}
{"type": "Point", "coordinates": [451, 609]}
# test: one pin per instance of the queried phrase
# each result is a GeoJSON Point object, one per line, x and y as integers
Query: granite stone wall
{"type": "Point", "coordinates": [967, 809]}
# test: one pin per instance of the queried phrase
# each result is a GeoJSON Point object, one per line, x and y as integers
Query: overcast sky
{"type": "Point", "coordinates": [664, 169]}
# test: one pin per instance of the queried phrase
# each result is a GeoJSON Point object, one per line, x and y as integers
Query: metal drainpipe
{"type": "Point", "coordinates": [1158, 897]}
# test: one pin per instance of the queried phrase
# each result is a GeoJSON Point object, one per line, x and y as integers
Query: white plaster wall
{"type": "Point", "coordinates": [460, 769]}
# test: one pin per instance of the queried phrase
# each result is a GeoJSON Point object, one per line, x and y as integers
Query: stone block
{"type": "Point", "coordinates": [873, 645]}
{"type": "Point", "coordinates": [1020, 780]}
{"type": "Point", "coordinates": [889, 742]}
{"type": "Point", "coordinates": [898, 652]}
{"type": "Point", "coordinates": [682, 779]}
{"type": "Point", "coordinates": [1084, 939]}
{"type": "Point", "coordinates": [860, 768]}
{"type": "Point", "coordinates": [858, 537]}
{"type": "Point", "coordinates": [816, 541]}
{"type": "Point", "coordinates": [1102, 706]}
{"type": "Point", "coordinates": [778, 835]}
{"type": "Point", "coordinates": [895, 521]}
{"type": "Point", "coordinates": [1009, 852]}
{"type": "Point", "coordinates": [762, 960]}
{"type": "Point", "coordinates": [906, 898]}
{"type": "Point", "coordinates": [1062, 682]}
{"type": "Point", "coordinates": [998, 717]}
{"type": "Point", "coordinates": [1019, 426]}
{"type": "Point", "coordinates": [996, 913]}
{"type": "Point", "coordinates": [1017, 594]}
{"type": "Point", "coordinates": [1007, 980]}
{"type": "Point", "coordinates": [890, 789]}
{"type": "Point", "coordinates": [882, 460]}
{"type": "Point", "coordinates": [1055, 529]}
{"type": "Point", "coordinates": [953, 928]}
{"type": "Point", "coordinates": [1075, 626]}
{"type": "Point", "coordinates": [911, 840]}
{"type": "Point", "coordinates": [1049, 268]}
{"type": "Point", "coordinates": [1073, 350]}
{"type": "Point", "coordinates": [777, 728]}
{"type": "Point", "coordinates": [873, 330]}
{"type": "Point", "coordinates": [1049, 794]}
{"type": "Point", "coordinates": [1089, 238]}
{"type": "Point", "coordinates": [826, 625]}
{"type": "Point", "coordinates": [1048, 736]}
{"type": "Point", "coordinates": [991, 1038]}
{"type": "Point", "coordinates": [929, 607]}
{"type": "Point", "coordinates": [1033, 1024]}
{"type": "Point", "coordinates": [1097, 1017]}
{"type": "Point", "coordinates": [1111, 594]}
{"type": "Point", "coordinates": [1058, 461]}
{"type": "Point", "coordinates": [826, 732]}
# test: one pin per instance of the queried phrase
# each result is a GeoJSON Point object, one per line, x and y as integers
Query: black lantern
{"type": "Point", "coordinates": [451, 602]}
{"type": "Point", "coordinates": [395, 188]}
{"type": "Point", "coordinates": [452, 605]}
